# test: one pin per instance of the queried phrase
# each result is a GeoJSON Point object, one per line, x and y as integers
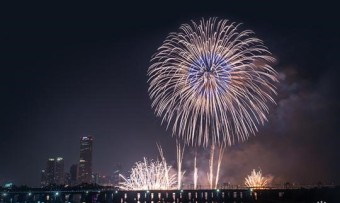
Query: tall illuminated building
{"type": "Point", "coordinates": [54, 172]}
{"type": "Point", "coordinates": [59, 173]}
{"type": "Point", "coordinates": [73, 174]}
{"type": "Point", "coordinates": [43, 181]}
{"type": "Point", "coordinates": [50, 171]}
{"type": "Point", "coordinates": [85, 161]}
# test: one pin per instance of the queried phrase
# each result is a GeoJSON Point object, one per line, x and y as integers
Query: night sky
{"type": "Point", "coordinates": [72, 70]}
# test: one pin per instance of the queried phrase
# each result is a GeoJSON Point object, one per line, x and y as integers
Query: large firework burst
{"type": "Point", "coordinates": [211, 82]}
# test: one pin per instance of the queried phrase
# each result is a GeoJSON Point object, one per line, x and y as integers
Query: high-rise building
{"type": "Point", "coordinates": [116, 177]}
{"type": "Point", "coordinates": [73, 174]}
{"type": "Point", "coordinates": [43, 181]}
{"type": "Point", "coordinates": [59, 171]}
{"type": "Point", "coordinates": [85, 161]}
{"type": "Point", "coordinates": [50, 169]}
{"type": "Point", "coordinates": [54, 172]}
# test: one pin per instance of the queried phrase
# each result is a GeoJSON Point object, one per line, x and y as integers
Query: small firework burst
{"type": "Point", "coordinates": [256, 180]}
{"type": "Point", "coordinates": [149, 175]}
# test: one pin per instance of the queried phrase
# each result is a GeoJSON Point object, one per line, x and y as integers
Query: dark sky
{"type": "Point", "coordinates": [71, 70]}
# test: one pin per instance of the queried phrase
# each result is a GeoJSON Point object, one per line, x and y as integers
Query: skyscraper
{"type": "Point", "coordinates": [54, 172]}
{"type": "Point", "coordinates": [59, 171]}
{"type": "Point", "coordinates": [43, 181]}
{"type": "Point", "coordinates": [116, 177]}
{"type": "Point", "coordinates": [50, 170]}
{"type": "Point", "coordinates": [73, 174]}
{"type": "Point", "coordinates": [85, 161]}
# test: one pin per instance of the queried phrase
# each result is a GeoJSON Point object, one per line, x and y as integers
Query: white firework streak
{"type": "Point", "coordinates": [212, 82]}
{"type": "Point", "coordinates": [164, 162]}
{"type": "Point", "coordinates": [219, 161]}
{"type": "Point", "coordinates": [211, 176]}
{"type": "Point", "coordinates": [256, 180]}
{"type": "Point", "coordinates": [180, 153]}
{"type": "Point", "coordinates": [211, 167]}
{"type": "Point", "coordinates": [195, 172]}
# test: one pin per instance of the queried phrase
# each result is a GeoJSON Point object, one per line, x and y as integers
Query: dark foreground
{"type": "Point", "coordinates": [315, 195]}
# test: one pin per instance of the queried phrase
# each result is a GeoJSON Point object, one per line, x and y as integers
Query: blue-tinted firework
{"type": "Point", "coordinates": [211, 82]}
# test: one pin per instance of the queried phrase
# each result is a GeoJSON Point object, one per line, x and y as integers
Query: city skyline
{"type": "Point", "coordinates": [76, 70]}
{"type": "Point", "coordinates": [56, 172]}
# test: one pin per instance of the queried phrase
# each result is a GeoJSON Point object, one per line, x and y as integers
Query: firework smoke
{"type": "Point", "coordinates": [211, 82]}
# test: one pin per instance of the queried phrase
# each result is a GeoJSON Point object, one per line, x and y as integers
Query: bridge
{"type": "Point", "coordinates": [106, 196]}
{"type": "Point", "coordinates": [174, 196]}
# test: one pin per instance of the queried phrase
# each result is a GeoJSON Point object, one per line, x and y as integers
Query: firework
{"type": "Point", "coordinates": [211, 82]}
{"type": "Point", "coordinates": [256, 180]}
{"type": "Point", "coordinates": [150, 175]}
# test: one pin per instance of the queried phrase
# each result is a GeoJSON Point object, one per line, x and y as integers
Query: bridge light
{"type": "Point", "coordinates": [57, 193]}
{"type": "Point", "coordinates": [4, 194]}
{"type": "Point", "coordinates": [29, 194]}
{"type": "Point", "coordinates": [217, 190]}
